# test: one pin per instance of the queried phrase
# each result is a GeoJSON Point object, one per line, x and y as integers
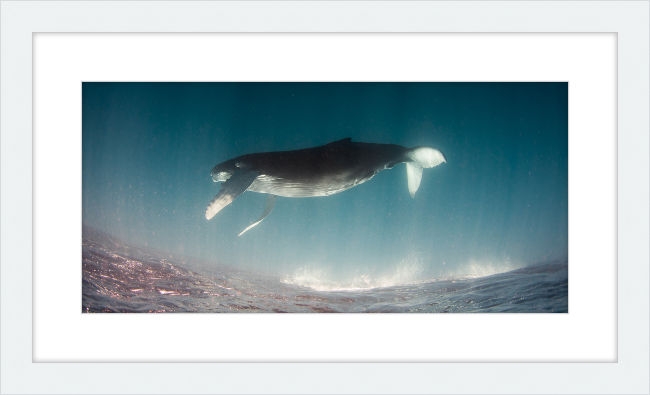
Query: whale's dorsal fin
{"type": "Point", "coordinates": [346, 140]}
{"type": "Point", "coordinates": [270, 202]}
{"type": "Point", "coordinates": [237, 184]}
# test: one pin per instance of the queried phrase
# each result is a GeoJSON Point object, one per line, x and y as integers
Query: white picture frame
{"type": "Point", "coordinates": [20, 20]}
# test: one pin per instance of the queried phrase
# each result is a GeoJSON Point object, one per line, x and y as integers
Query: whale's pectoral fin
{"type": "Point", "coordinates": [237, 184]}
{"type": "Point", "coordinates": [421, 157]}
{"type": "Point", "coordinates": [270, 202]}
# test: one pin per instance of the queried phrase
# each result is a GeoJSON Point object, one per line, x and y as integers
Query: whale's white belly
{"type": "Point", "coordinates": [304, 188]}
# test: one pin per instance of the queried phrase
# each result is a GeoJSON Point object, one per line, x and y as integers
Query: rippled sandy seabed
{"type": "Point", "coordinates": [121, 278]}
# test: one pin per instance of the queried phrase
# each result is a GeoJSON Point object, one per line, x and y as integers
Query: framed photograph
{"type": "Point", "coordinates": [408, 166]}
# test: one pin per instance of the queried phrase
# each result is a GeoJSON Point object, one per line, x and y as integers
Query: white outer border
{"type": "Point", "coordinates": [628, 19]}
{"type": "Point", "coordinates": [586, 61]}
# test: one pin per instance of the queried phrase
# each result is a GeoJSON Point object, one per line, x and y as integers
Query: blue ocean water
{"type": "Point", "coordinates": [486, 231]}
{"type": "Point", "coordinates": [118, 277]}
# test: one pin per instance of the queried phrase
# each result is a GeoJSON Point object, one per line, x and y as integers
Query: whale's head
{"type": "Point", "coordinates": [223, 171]}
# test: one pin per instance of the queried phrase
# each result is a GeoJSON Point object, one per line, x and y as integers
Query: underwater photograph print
{"type": "Point", "coordinates": [308, 197]}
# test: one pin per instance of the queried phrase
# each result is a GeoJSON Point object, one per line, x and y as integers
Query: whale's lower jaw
{"type": "Point", "coordinates": [296, 188]}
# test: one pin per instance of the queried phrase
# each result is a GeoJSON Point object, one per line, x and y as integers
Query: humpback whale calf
{"type": "Point", "coordinates": [318, 171]}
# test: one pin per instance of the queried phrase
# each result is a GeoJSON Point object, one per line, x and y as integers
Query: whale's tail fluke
{"type": "Point", "coordinates": [420, 158]}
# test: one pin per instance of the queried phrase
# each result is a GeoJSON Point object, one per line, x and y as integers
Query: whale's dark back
{"type": "Point", "coordinates": [339, 157]}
